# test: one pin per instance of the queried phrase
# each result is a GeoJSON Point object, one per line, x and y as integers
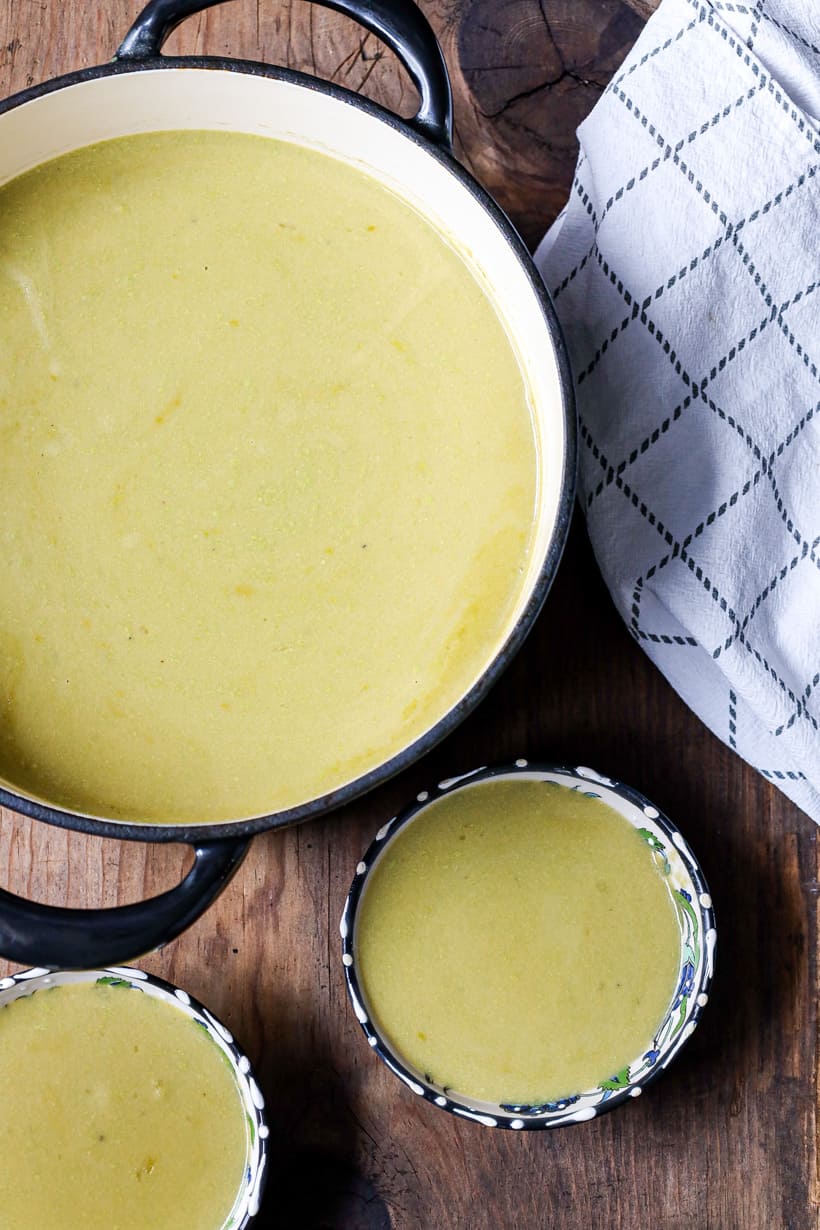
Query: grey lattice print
{"type": "Point", "coordinates": [686, 270]}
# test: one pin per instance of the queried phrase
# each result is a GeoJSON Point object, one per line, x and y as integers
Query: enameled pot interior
{"type": "Point", "coordinates": [120, 103]}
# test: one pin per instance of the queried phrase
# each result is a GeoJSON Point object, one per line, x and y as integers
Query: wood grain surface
{"type": "Point", "coordinates": [727, 1140]}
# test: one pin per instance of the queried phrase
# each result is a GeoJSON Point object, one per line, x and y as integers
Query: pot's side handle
{"type": "Point", "coordinates": [399, 23]}
{"type": "Point", "coordinates": [59, 938]}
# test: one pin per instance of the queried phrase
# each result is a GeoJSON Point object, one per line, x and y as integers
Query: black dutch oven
{"type": "Point", "coordinates": [143, 91]}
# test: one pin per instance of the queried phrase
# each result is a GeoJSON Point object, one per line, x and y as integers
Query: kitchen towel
{"type": "Point", "coordinates": [686, 274]}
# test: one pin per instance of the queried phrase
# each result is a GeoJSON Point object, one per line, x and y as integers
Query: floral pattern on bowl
{"type": "Point", "coordinates": [246, 1205]}
{"type": "Point", "coordinates": [696, 923]}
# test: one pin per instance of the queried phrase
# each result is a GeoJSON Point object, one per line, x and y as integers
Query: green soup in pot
{"type": "Point", "coordinates": [267, 477]}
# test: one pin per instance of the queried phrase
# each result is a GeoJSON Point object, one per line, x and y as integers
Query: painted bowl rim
{"type": "Point", "coordinates": [694, 978]}
{"type": "Point", "coordinates": [246, 1205]}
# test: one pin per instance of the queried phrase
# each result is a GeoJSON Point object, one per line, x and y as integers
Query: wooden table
{"type": "Point", "coordinates": [727, 1140]}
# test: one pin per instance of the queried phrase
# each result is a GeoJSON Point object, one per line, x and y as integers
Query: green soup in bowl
{"type": "Point", "coordinates": [528, 946]}
{"type": "Point", "coordinates": [125, 1103]}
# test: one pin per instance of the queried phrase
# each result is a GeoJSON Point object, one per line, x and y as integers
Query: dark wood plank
{"type": "Point", "coordinates": [727, 1141]}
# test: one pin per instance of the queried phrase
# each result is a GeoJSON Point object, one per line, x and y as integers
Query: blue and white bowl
{"type": "Point", "coordinates": [248, 1197]}
{"type": "Point", "coordinates": [696, 923]}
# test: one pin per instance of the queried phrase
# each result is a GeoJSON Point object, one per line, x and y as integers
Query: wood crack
{"type": "Point", "coordinates": [567, 75]}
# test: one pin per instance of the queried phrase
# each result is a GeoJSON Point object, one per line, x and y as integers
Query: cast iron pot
{"type": "Point", "coordinates": [143, 91]}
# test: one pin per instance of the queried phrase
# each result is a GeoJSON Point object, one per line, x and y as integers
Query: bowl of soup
{"type": "Point", "coordinates": [288, 450]}
{"type": "Point", "coordinates": [125, 1101]}
{"type": "Point", "coordinates": [528, 946]}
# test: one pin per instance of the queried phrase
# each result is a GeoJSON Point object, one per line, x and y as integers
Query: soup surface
{"type": "Point", "coordinates": [118, 1111]}
{"type": "Point", "coordinates": [517, 943]}
{"type": "Point", "coordinates": [267, 477]}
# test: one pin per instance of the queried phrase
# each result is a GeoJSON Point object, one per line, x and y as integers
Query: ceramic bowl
{"type": "Point", "coordinates": [246, 1205]}
{"type": "Point", "coordinates": [696, 923]}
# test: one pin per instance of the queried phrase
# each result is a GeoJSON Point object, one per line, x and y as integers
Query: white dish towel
{"type": "Point", "coordinates": [686, 273]}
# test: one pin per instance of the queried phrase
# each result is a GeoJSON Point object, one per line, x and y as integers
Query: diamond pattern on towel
{"type": "Point", "coordinates": [686, 272]}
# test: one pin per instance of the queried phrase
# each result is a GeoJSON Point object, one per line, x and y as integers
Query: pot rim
{"type": "Point", "coordinates": [409, 754]}
{"type": "Point", "coordinates": [692, 987]}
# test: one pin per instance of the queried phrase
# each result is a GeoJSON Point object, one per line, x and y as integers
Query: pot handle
{"type": "Point", "coordinates": [59, 938]}
{"type": "Point", "coordinates": [399, 23]}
